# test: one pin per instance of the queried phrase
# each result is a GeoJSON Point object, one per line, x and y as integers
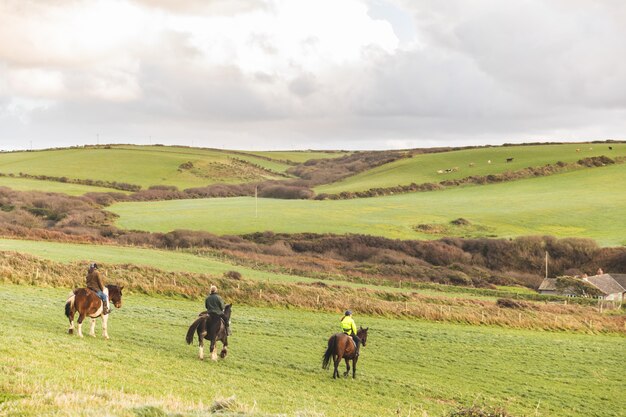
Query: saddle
{"type": "Point", "coordinates": [351, 340]}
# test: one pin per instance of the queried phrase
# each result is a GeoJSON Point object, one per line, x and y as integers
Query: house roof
{"type": "Point", "coordinates": [620, 278]}
{"type": "Point", "coordinates": [548, 284]}
{"type": "Point", "coordinates": [606, 283]}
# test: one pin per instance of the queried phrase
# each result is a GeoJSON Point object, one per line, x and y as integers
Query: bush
{"type": "Point", "coordinates": [232, 275]}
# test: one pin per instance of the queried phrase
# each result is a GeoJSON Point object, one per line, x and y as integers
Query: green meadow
{"type": "Point", "coordinates": [423, 168]}
{"type": "Point", "coordinates": [179, 261]}
{"type": "Point", "coordinates": [143, 165]}
{"type": "Point", "coordinates": [409, 367]}
{"type": "Point", "coordinates": [27, 184]}
{"type": "Point", "coordinates": [585, 203]}
{"type": "Point", "coordinates": [298, 156]}
{"type": "Point", "coordinates": [161, 259]}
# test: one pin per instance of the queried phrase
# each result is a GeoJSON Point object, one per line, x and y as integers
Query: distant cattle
{"type": "Point", "coordinates": [471, 164]}
{"type": "Point", "coordinates": [591, 149]}
{"type": "Point", "coordinates": [610, 147]}
{"type": "Point", "coordinates": [577, 149]}
{"type": "Point", "coordinates": [509, 159]}
{"type": "Point", "coordinates": [440, 171]}
{"type": "Point", "coordinates": [489, 161]}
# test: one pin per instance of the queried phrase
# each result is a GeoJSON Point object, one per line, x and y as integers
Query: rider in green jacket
{"type": "Point", "coordinates": [215, 305]}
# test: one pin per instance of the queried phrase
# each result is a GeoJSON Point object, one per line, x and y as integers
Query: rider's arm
{"type": "Point", "coordinates": [353, 327]}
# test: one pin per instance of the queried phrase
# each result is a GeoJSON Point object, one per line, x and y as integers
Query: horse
{"type": "Point", "coordinates": [85, 302]}
{"type": "Point", "coordinates": [210, 327]}
{"type": "Point", "coordinates": [341, 346]}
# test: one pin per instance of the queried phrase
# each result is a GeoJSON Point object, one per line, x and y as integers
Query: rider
{"type": "Point", "coordinates": [215, 305]}
{"type": "Point", "coordinates": [349, 327]}
{"type": "Point", "coordinates": [94, 283]}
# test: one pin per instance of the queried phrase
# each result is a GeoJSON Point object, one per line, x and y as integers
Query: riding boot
{"type": "Point", "coordinates": [105, 308]}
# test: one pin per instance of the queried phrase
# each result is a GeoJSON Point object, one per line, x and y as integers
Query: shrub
{"type": "Point", "coordinates": [232, 275]}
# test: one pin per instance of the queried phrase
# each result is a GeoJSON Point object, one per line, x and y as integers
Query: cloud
{"type": "Point", "coordinates": [301, 74]}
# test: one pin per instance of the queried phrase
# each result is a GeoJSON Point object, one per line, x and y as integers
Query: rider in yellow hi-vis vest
{"type": "Point", "coordinates": [349, 327]}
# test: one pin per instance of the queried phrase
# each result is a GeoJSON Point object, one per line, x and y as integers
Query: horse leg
{"type": "Point", "coordinates": [354, 361]}
{"type": "Point", "coordinates": [345, 374]}
{"type": "Point", "coordinates": [105, 333]}
{"type": "Point", "coordinates": [213, 349]}
{"type": "Point", "coordinates": [224, 351]}
{"type": "Point", "coordinates": [201, 344]}
{"type": "Point", "coordinates": [71, 318]}
{"type": "Point", "coordinates": [337, 361]}
{"type": "Point", "coordinates": [81, 317]}
{"type": "Point", "coordinates": [92, 328]}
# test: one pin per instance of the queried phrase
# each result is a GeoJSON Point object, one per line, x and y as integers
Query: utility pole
{"type": "Point", "coordinates": [546, 264]}
{"type": "Point", "coordinates": [256, 202]}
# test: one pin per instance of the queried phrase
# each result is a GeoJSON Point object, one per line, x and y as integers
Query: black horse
{"type": "Point", "coordinates": [341, 346]}
{"type": "Point", "coordinates": [210, 327]}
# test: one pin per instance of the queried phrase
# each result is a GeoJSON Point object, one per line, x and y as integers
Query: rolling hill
{"type": "Point", "coordinates": [586, 203]}
{"type": "Point", "coordinates": [422, 168]}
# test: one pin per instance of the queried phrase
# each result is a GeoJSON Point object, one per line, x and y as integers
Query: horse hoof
{"type": "Point", "coordinates": [70, 331]}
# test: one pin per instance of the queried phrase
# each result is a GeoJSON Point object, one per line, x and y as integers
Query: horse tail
{"type": "Point", "coordinates": [192, 330]}
{"type": "Point", "coordinates": [69, 304]}
{"type": "Point", "coordinates": [332, 345]}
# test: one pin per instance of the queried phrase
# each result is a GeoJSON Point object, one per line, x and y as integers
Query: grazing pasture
{"type": "Point", "coordinates": [27, 184]}
{"type": "Point", "coordinates": [144, 165]}
{"type": "Point", "coordinates": [178, 261]}
{"type": "Point", "coordinates": [274, 365]}
{"type": "Point", "coordinates": [464, 163]}
{"type": "Point", "coordinates": [585, 203]}
{"type": "Point", "coordinates": [298, 156]}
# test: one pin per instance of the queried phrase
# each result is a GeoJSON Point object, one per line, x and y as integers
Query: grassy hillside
{"type": "Point", "coordinates": [423, 168]}
{"type": "Point", "coordinates": [274, 365]}
{"type": "Point", "coordinates": [178, 261]}
{"type": "Point", "coordinates": [143, 165]}
{"type": "Point", "coordinates": [299, 156]}
{"type": "Point", "coordinates": [588, 203]}
{"type": "Point", "coordinates": [26, 184]}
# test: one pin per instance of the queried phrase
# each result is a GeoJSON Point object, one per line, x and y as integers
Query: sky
{"type": "Point", "coordinates": [311, 74]}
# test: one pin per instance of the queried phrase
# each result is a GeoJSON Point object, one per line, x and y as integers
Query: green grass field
{"type": "Point", "coordinates": [587, 203]}
{"type": "Point", "coordinates": [299, 156]}
{"type": "Point", "coordinates": [26, 184]}
{"type": "Point", "coordinates": [141, 165]}
{"type": "Point", "coordinates": [274, 365]}
{"type": "Point", "coordinates": [423, 168]}
{"type": "Point", "coordinates": [178, 261]}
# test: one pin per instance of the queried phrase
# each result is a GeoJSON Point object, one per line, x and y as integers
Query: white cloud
{"type": "Point", "coordinates": [302, 74]}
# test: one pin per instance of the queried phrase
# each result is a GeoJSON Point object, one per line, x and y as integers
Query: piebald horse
{"type": "Point", "coordinates": [341, 346]}
{"type": "Point", "coordinates": [85, 302]}
{"type": "Point", "coordinates": [210, 327]}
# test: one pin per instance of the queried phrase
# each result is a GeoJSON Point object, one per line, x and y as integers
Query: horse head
{"type": "Point", "coordinates": [362, 334]}
{"type": "Point", "coordinates": [227, 312]}
{"type": "Point", "coordinates": [115, 295]}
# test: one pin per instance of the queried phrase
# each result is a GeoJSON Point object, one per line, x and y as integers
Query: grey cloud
{"type": "Point", "coordinates": [303, 85]}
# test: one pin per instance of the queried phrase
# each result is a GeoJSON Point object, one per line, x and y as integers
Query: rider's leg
{"type": "Point", "coordinates": [226, 324]}
{"type": "Point", "coordinates": [103, 298]}
{"type": "Point", "coordinates": [357, 342]}
{"type": "Point", "coordinates": [106, 300]}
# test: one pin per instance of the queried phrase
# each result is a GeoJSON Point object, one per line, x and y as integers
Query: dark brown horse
{"type": "Point", "coordinates": [85, 302]}
{"type": "Point", "coordinates": [210, 327]}
{"type": "Point", "coordinates": [341, 346]}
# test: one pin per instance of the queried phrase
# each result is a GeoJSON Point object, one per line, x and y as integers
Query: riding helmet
{"type": "Point", "coordinates": [348, 313]}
